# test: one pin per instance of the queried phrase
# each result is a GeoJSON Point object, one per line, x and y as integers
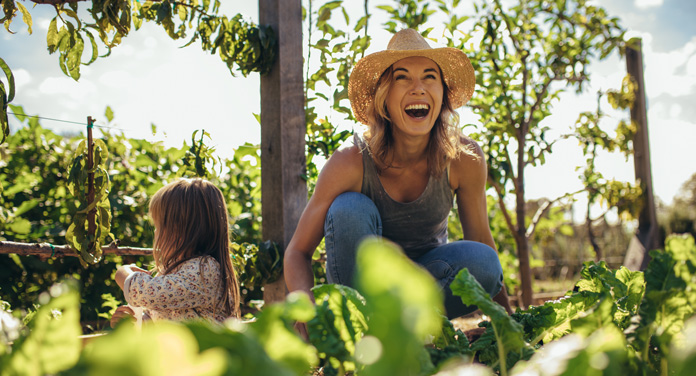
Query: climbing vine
{"type": "Point", "coordinates": [88, 182]}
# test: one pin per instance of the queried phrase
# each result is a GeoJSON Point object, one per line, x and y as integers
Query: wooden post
{"type": "Point", "coordinates": [283, 129]}
{"type": "Point", "coordinates": [647, 235]}
{"type": "Point", "coordinates": [92, 213]}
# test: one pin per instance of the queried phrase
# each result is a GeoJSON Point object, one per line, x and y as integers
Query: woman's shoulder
{"type": "Point", "coordinates": [470, 152]}
{"type": "Point", "coordinates": [346, 160]}
{"type": "Point", "coordinates": [343, 172]}
{"type": "Point", "coordinates": [470, 164]}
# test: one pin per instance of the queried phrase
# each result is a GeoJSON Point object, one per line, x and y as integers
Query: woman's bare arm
{"type": "Point", "coordinates": [468, 176]}
{"type": "Point", "coordinates": [342, 173]}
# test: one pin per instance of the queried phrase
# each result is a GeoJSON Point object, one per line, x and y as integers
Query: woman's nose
{"type": "Point", "coordinates": [418, 87]}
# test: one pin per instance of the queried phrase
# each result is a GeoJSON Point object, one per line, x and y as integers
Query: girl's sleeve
{"type": "Point", "coordinates": [185, 288]}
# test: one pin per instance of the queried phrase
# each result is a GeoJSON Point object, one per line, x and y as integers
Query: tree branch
{"type": "Point", "coordinates": [503, 208]}
{"type": "Point", "coordinates": [503, 86]}
{"type": "Point", "coordinates": [540, 97]}
{"type": "Point", "coordinates": [54, 2]}
{"type": "Point", "coordinates": [513, 177]}
{"type": "Point", "coordinates": [546, 148]}
{"type": "Point", "coordinates": [545, 208]}
{"type": "Point", "coordinates": [48, 250]}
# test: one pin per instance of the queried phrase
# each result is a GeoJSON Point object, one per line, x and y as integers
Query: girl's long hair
{"type": "Point", "coordinates": [190, 217]}
{"type": "Point", "coordinates": [445, 142]}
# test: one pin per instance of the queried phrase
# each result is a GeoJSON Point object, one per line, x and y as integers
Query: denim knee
{"type": "Point", "coordinates": [352, 207]}
{"type": "Point", "coordinates": [482, 263]}
{"type": "Point", "coordinates": [446, 261]}
{"type": "Point", "coordinates": [350, 218]}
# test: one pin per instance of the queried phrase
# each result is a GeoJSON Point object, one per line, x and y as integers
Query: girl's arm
{"type": "Point", "coordinates": [124, 271]}
{"type": "Point", "coordinates": [342, 173]}
{"type": "Point", "coordinates": [468, 176]}
{"type": "Point", "coordinates": [189, 287]}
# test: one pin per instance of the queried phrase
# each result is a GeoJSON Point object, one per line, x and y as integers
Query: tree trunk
{"type": "Point", "coordinates": [521, 234]}
{"type": "Point", "coordinates": [591, 235]}
{"type": "Point", "coordinates": [647, 235]}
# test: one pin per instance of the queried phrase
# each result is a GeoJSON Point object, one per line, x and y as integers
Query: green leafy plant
{"type": "Point", "coordinates": [87, 234]}
{"type": "Point", "coordinates": [390, 326]}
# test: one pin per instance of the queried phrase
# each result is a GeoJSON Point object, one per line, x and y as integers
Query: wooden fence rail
{"type": "Point", "coordinates": [49, 250]}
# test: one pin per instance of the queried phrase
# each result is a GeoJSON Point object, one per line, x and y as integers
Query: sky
{"type": "Point", "coordinates": [149, 79]}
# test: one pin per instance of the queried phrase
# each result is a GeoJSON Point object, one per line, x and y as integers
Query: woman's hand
{"type": "Point", "coordinates": [122, 313]}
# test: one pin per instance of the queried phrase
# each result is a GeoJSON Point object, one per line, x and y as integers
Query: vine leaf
{"type": "Point", "coordinates": [88, 245]}
{"type": "Point", "coordinates": [5, 98]}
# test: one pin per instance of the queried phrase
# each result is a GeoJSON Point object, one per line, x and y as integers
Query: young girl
{"type": "Point", "coordinates": [195, 278]}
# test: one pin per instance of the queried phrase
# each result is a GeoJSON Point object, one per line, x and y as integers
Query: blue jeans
{"type": "Point", "coordinates": [353, 216]}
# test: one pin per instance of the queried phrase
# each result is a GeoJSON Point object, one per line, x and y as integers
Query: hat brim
{"type": "Point", "coordinates": [457, 73]}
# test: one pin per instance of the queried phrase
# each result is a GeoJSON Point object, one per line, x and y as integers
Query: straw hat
{"type": "Point", "coordinates": [457, 71]}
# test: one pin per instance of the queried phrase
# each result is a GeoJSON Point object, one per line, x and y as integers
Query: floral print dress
{"type": "Point", "coordinates": [192, 291]}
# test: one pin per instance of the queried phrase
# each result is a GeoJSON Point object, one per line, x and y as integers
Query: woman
{"type": "Point", "coordinates": [400, 181]}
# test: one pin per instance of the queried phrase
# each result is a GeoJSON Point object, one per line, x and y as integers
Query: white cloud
{"type": "Point", "coordinates": [67, 88]}
{"type": "Point", "coordinates": [116, 79]}
{"type": "Point", "coordinates": [672, 72]}
{"type": "Point", "coordinates": [643, 4]}
{"type": "Point", "coordinates": [150, 42]}
{"type": "Point", "coordinates": [22, 77]}
{"type": "Point", "coordinates": [42, 24]}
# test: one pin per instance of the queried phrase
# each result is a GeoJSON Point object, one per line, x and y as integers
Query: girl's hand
{"type": "Point", "coordinates": [301, 329]}
{"type": "Point", "coordinates": [123, 271]}
{"type": "Point", "coordinates": [136, 268]}
{"type": "Point", "coordinates": [122, 313]}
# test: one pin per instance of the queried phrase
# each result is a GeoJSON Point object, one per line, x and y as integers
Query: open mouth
{"type": "Point", "coordinates": [417, 111]}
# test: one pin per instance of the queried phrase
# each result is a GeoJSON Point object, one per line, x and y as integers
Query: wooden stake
{"type": "Point", "coordinates": [647, 235]}
{"type": "Point", "coordinates": [283, 128]}
{"type": "Point", "coordinates": [91, 215]}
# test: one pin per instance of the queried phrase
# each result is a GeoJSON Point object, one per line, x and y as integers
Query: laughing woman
{"type": "Point", "coordinates": [400, 180]}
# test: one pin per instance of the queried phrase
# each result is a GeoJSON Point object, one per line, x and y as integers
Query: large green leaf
{"type": "Point", "coordinates": [52, 343]}
{"type": "Point", "coordinates": [404, 305]}
{"type": "Point", "coordinates": [166, 348]}
{"type": "Point", "coordinates": [603, 353]}
{"type": "Point", "coordinates": [669, 300]}
{"type": "Point", "coordinates": [244, 354]}
{"type": "Point", "coordinates": [339, 324]}
{"type": "Point", "coordinates": [273, 329]}
{"type": "Point", "coordinates": [508, 334]}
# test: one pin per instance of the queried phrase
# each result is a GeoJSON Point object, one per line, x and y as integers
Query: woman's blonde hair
{"type": "Point", "coordinates": [190, 217]}
{"type": "Point", "coordinates": [445, 139]}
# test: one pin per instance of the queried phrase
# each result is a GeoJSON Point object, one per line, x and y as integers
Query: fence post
{"type": "Point", "coordinates": [647, 234]}
{"type": "Point", "coordinates": [91, 214]}
{"type": "Point", "coordinates": [283, 160]}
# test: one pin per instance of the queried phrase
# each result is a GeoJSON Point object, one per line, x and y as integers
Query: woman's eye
{"type": "Point", "coordinates": [400, 77]}
{"type": "Point", "coordinates": [431, 76]}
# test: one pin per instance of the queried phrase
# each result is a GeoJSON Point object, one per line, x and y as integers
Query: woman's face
{"type": "Point", "coordinates": [414, 99]}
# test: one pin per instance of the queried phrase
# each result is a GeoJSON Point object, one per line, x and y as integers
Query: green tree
{"type": "Point", "coordinates": [240, 44]}
{"type": "Point", "coordinates": [527, 55]}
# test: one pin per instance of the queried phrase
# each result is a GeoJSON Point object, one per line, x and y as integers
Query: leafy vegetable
{"type": "Point", "coordinates": [340, 323]}
{"type": "Point", "coordinates": [403, 304]}
{"type": "Point", "coordinates": [503, 333]}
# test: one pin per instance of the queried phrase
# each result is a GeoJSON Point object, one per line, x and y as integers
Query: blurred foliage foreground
{"type": "Point", "coordinates": [615, 322]}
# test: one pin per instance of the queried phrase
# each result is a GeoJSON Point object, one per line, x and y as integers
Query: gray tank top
{"type": "Point", "coordinates": [417, 226]}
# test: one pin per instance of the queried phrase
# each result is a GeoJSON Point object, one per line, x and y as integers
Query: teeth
{"type": "Point", "coordinates": [417, 107]}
